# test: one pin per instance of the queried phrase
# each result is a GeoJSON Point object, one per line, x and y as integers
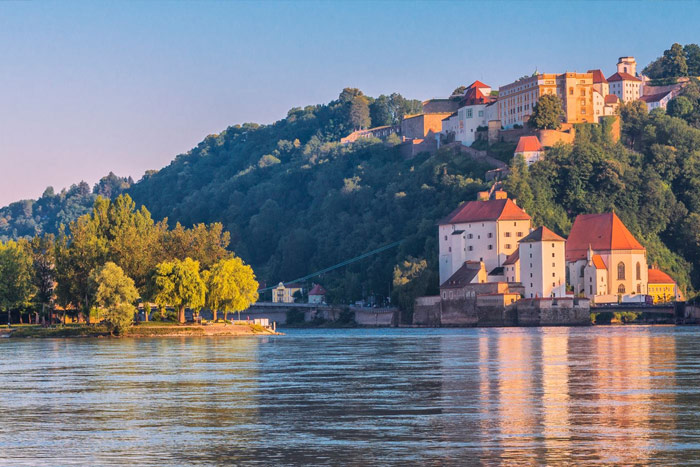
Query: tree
{"type": "Point", "coordinates": [42, 249]}
{"type": "Point", "coordinates": [680, 107]}
{"type": "Point", "coordinates": [231, 286]}
{"type": "Point", "coordinates": [546, 113]}
{"type": "Point", "coordinates": [380, 111]}
{"type": "Point", "coordinates": [115, 293]}
{"type": "Point", "coordinates": [179, 284]}
{"type": "Point", "coordinates": [359, 113]}
{"type": "Point", "coordinates": [16, 286]}
{"type": "Point", "coordinates": [459, 91]}
{"type": "Point", "coordinates": [674, 63]}
{"type": "Point", "coordinates": [692, 58]}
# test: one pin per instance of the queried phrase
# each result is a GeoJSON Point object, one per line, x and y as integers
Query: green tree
{"type": "Point", "coordinates": [359, 113]}
{"type": "Point", "coordinates": [546, 113]}
{"type": "Point", "coordinates": [692, 58]}
{"type": "Point", "coordinates": [231, 286]}
{"type": "Point", "coordinates": [115, 293]}
{"type": "Point", "coordinates": [674, 63]}
{"type": "Point", "coordinates": [680, 107]}
{"type": "Point", "coordinates": [16, 286]}
{"type": "Point", "coordinates": [179, 283]}
{"type": "Point", "coordinates": [380, 111]}
{"type": "Point", "coordinates": [42, 249]}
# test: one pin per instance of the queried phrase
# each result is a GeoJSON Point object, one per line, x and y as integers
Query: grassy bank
{"type": "Point", "coordinates": [141, 330]}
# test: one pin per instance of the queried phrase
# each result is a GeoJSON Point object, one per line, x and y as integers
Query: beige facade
{"type": "Point", "coordinates": [516, 100]}
{"type": "Point", "coordinates": [542, 257]}
{"type": "Point", "coordinates": [285, 294]}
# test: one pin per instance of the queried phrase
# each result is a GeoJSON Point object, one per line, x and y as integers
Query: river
{"type": "Point", "coordinates": [608, 395]}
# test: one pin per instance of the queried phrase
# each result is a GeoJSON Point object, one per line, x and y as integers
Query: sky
{"type": "Point", "coordinates": [92, 87]}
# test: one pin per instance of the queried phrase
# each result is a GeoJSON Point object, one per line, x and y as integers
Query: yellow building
{"type": "Point", "coordinates": [662, 287]}
{"type": "Point", "coordinates": [516, 100]}
{"type": "Point", "coordinates": [285, 294]}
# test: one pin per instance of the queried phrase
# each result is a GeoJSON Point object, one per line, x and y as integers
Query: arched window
{"type": "Point", "coordinates": [583, 270]}
{"type": "Point", "coordinates": [639, 271]}
{"type": "Point", "coordinates": [639, 288]}
{"type": "Point", "coordinates": [621, 271]}
{"type": "Point", "coordinates": [621, 288]}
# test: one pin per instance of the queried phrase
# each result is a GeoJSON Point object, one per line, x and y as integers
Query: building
{"type": "Point", "coordinates": [602, 104]}
{"type": "Point", "coordinates": [542, 258]}
{"type": "Point", "coordinates": [486, 230]}
{"type": "Point", "coordinates": [472, 113]}
{"type": "Point", "coordinates": [530, 148]}
{"type": "Point", "coordinates": [285, 293]}
{"type": "Point", "coordinates": [604, 260]}
{"type": "Point", "coordinates": [600, 84]}
{"type": "Point", "coordinates": [317, 295]}
{"type": "Point", "coordinates": [662, 287]}
{"type": "Point", "coordinates": [516, 100]}
{"type": "Point", "coordinates": [381, 132]}
{"type": "Point", "coordinates": [655, 101]}
{"type": "Point", "coordinates": [625, 84]}
{"type": "Point", "coordinates": [511, 267]}
{"type": "Point", "coordinates": [455, 287]}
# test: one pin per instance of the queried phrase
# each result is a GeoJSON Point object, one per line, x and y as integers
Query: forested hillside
{"type": "Point", "coordinates": [296, 201]}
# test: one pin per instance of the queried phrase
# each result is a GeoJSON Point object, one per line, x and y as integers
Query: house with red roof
{"type": "Point", "coordinates": [530, 148]}
{"type": "Point", "coordinates": [662, 287]}
{"type": "Point", "coordinates": [317, 295]}
{"type": "Point", "coordinates": [625, 84]}
{"type": "Point", "coordinates": [658, 100]}
{"type": "Point", "coordinates": [471, 114]}
{"type": "Point", "coordinates": [605, 261]}
{"type": "Point", "coordinates": [486, 230]}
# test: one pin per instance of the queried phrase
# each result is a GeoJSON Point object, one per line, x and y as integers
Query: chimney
{"type": "Point", "coordinates": [500, 194]}
{"type": "Point", "coordinates": [482, 196]}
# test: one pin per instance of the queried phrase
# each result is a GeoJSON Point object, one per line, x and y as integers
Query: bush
{"type": "Point", "coordinates": [120, 318]}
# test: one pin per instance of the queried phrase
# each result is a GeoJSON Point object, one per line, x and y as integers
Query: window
{"type": "Point", "coordinates": [481, 113]}
{"type": "Point", "coordinates": [621, 288]}
{"type": "Point", "coordinates": [530, 274]}
{"type": "Point", "coordinates": [639, 271]}
{"type": "Point", "coordinates": [507, 246]}
{"type": "Point", "coordinates": [490, 235]}
{"type": "Point", "coordinates": [583, 92]}
{"type": "Point", "coordinates": [639, 288]}
{"type": "Point", "coordinates": [583, 269]}
{"type": "Point", "coordinates": [445, 237]}
{"type": "Point", "coordinates": [449, 249]}
{"type": "Point", "coordinates": [554, 265]}
{"type": "Point", "coordinates": [507, 234]}
{"type": "Point", "coordinates": [553, 255]}
{"type": "Point", "coordinates": [554, 274]}
{"type": "Point", "coordinates": [490, 247]}
{"type": "Point", "coordinates": [471, 248]}
{"type": "Point", "coordinates": [571, 91]}
{"type": "Point", "coordinates": [621, 271]}
{"type": "Point", "coordinates": [520, 234]}
{"type": "Point", "coordinates": [470, 236]}
{"type": "Point", "coordinates": [470, 113]}
{"type": "Point", "coordinates": [591, 290]}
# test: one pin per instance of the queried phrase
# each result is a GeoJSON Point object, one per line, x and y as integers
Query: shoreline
{"type": "Point", "coordinates": [137, 331]}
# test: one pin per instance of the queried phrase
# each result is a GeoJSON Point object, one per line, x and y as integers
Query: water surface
{"type": "Point", "coordinates": [620, 395]}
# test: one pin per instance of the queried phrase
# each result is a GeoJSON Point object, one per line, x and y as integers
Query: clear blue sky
{"type": "Point", "coordinates": [90, 87]}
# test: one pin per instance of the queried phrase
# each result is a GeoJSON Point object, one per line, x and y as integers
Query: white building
{"type": "Point", "coordinates": [659, 100]}
{"type": "Point", "coordinates": [542, 256]}
{"type": "Point", "coordinates": [530, 148]}
{"type": "Point", "coordinates": [511, 267]}
{"type": "Point", "coordinates": [487, 230]}
{"type": "Point", "coordinates": [317, 295]}
{"type": "Point", "coordinates": [471, 115]}
{"type": "Point", "coordinates": [625, 84]}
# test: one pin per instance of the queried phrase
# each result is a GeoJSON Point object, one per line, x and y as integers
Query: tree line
{"type": "Point", "coordinates": [109, 258]}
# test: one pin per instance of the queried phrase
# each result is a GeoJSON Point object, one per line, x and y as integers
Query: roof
{"type": "Point", "coordinates": [474, 96]}
{"type": "Point", "coordinates": [657, 276]}
{"type": "Point", "coordinates": [654, 97]}
{"type": "Point", "coordinates": [602, 232]}
{"type": "Point", "coordinates": [528, 143]}
{"type": "Point", "coordinates": [491, 210]}
{"type": "Point", "coordinates": [611, 99]}
{"type": "Point", "coordinates": [598, 76]}
{"type": "Point", "coordinates": [512, 258]}
{"type": "Point", "coordinates": [478, 84]}
{"type": "Point", "coordinates": [542, 234]}
{"type": "Point", "coordinates": [462, 276]}
{"type": "Point", "coordinates": [622, 76]}
{"type": "Point", "coordinates": [317, 290]}
{"type": "Point", "coordinates": [598, 262]}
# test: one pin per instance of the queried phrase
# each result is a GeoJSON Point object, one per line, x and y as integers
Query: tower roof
{"type": "Point", "coordinates": [542, 234]}
{"type": "Point", "coordinates": [622, 76]}
{"type": "Point", "coordinates": [602, 232]}
{"type": "Point", "coordinates": [598, 76]}
{"type": "Point", "coordinates": [491, 210]}
{"type": "Point", "coordinates": [528, 143]}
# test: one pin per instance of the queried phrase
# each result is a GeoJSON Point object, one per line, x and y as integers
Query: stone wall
{"type": "Point", "coordinates": [553, 312]}
{"type": "Point", "coordinates": [426, 311]}
{"type": "Point", "coordinates": [459, 312]}
{"type": "Point", "coordinates": [376, 316]}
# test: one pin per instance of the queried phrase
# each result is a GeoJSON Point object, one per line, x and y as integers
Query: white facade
{"type": "Point", "coordinates": [543, 268]}
{"type": "Point", "coordinates": [469, 118]}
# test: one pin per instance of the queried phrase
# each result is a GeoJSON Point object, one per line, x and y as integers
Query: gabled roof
{"type": "Point", "coordinates": [491, 210]}
{"type": "Point", "coordinates": [657, 276]}
{"type": "Point", "coordinates": [528, 143]}
{"type": "Point", "coordinates": [598, 262]}
{"type": "Point", "coordinates": [513, 258]}
{"type": "Point", "coordinates": [611, 99]}
{"type": "Point", "coordinates": [598, 76]}
{"type": "Point", "coordinates": [474, 96]}
{"type": "Point", "coordinates": [622, 76]}
{"type": "Point", "coordinates": [654, 97]}
{"type": "Point", "coordinates": [463, 276]}
{"type": "Point", "coordinates": [317, 290]}
{"type": "Point", "coordinates": [478, 84]}
{"type": "Point", "coordinates": [602, 232]}
{"type": "Point", "coordinates": [542, 234]}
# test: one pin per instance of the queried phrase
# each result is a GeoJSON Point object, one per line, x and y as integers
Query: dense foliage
{"type": "Point", "coordinates": [676, 62]}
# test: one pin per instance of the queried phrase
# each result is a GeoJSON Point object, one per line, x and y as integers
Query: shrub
{"type": "Point", "coordinates": [120, 318]}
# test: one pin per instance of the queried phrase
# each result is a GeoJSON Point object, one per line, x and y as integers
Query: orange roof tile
{"type": "Point", "coordinates": [598, 262]}
{"type": "Point", "coordinates": [491, 210]}
{"type": "Point", "coordinates": [622, 76]}
{"type": "Point", "coordinates": [542, 234]}
{"type": "Point", "coordinates": [611, 99]}
{"type": "Point", "coordinates": [657, 276]}
{"type": "Point", "coordinates": [513, 258]}
{"type": "Point", "coordinates": [478, 84]}
{"type": "Point", "coordinates": [528, 143]}
{"type": "Point", "coordinates": [598, 76]}
{"type": "Point", "coordinates": [602, 232]}
{"type": "Point", "coordinates": [474, 96]}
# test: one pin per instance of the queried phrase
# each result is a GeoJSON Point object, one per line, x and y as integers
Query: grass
{"type": "Point", "coordinates": [75, 330]}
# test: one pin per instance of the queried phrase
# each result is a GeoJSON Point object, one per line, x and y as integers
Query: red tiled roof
{"type": "Point", "coordinates": [513, 258]}
{"type": "Point", "coordinates": [528, 143]}
{"type": "Point", "coordinates": [542, 234]}
{"type": "Point", "coordinates": [491, 210]}
{"type": "Point", "coordinates": [598, 262]}
{"type": "Point", "coordinates": [654, 97]}
{"type": "Point", "coordinates": [478, 84]}
{"type": "Point", "coordinates": [317, 290]}
{"type": "Point", "coordinates": [611, 99]}
{"type": "Point", "coordinates": [603, 232]}
{"type": "Point", "coordinates": [623, 77]}
{"type": "Point", "coordinates": [474, 96]}
{"type": "Point", "coordinates": [657, 276]}
{"type": "Point", "coordinates": [598, 76]}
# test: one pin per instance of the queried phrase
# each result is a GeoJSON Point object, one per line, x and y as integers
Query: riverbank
{"type": "Point", "coordinates": [238, 329]}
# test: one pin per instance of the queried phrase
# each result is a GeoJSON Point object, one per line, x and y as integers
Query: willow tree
{"type": "Point", "coordinates": [179, 283]}
{"type": "Point", "coordinates": [231, 286]}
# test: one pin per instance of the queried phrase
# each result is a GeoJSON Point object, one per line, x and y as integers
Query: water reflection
{"type": "Point", "coordinates": [614, 395]}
